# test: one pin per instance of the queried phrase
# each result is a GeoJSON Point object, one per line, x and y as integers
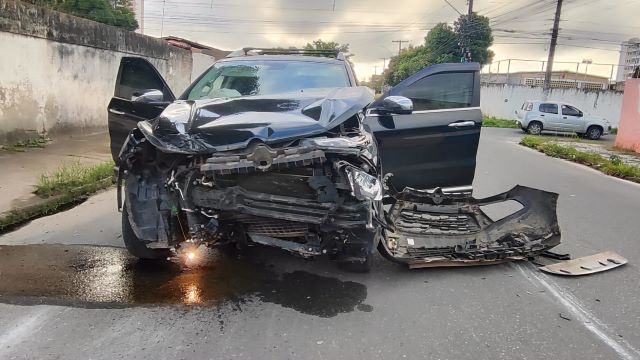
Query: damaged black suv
{"type": "Point", "coordinates": [283, 148]}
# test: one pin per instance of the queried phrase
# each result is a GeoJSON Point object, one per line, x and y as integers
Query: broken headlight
{"type": "Point", "coordinates": [363, 185]}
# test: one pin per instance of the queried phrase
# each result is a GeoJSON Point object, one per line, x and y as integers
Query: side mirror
{"type": "Point", "coordinates": [397, 105]}
{"type": "Point", "coordinates": [148, 96]}
{"type": "Point", "coordinates": [580, 114]}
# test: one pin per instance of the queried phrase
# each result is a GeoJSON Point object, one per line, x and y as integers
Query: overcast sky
{"type": "Point", "coordinates": [591, 29]}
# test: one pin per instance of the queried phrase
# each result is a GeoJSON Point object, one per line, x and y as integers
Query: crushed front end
{"type": "Point", "coordinates": [447, 227]}
{"type": "Point", "coordinates": [310, 194]}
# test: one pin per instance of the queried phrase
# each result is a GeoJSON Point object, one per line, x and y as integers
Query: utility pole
{"type": "Point", "coordinates": [399, 44]}
{"type": "Point", "coordinates": [162, 21]}
{"type": "Point", "coordinates": [552, 48]}
{"type": "Point", "coordinates": [466, 41]}
{"type": "Point", "coordinates": [142, 17]}
{"type": "Point", "coordinates": [384, 63]}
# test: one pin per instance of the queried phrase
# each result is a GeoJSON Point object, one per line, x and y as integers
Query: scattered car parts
{"type": "Point", "coordinates": [591, 264]}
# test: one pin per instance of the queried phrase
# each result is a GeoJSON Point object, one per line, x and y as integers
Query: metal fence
{"type": "Point", "coordinates": [583, 74]}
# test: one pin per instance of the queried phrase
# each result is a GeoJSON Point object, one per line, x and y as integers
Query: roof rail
{"type": "Point", "coordinates": [307, 52]}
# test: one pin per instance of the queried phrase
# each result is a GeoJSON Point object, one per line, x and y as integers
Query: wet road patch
{"type": "Point", "coordinates": [96, 277]}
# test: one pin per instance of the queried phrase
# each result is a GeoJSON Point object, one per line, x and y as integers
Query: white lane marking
{"type": "Point", "coordinates": [21, 328]}
{"type": "Point", "coordinates": [590, 321]}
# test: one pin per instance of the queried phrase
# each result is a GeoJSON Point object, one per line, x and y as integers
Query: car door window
{"type": "Point", "coordinates": [441, 91]}
{"type": "Point", "coordinates": [136, 77]}
{"type": "Point", "coordinates": [570, 111]}
{"type": "Point", "coordinates": [549, 108]}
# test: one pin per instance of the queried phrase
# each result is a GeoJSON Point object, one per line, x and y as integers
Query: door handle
{"type": "Point", "coordinates": [564, 117]}
{"type": "Point", "coordinates": [117, 112]}
{"type": "Point", "coordinates": [542, 115]}
{"type": "Point", "coordinates": [462, 124]}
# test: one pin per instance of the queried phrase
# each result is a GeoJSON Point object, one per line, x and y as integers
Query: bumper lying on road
{"type": "Point", "coordinates": [433, 231]}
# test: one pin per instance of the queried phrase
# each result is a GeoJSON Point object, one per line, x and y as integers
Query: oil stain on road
{"type": "Point", "coordinates": [96, 277]}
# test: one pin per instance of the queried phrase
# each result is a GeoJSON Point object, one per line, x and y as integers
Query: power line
{"type": "Point", "coordinates": [399, 44]}
{"type": "Point", "coordinates": [453, 7]}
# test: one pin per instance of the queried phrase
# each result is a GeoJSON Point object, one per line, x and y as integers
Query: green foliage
{"type": "Point", "coordinates": [408, 62]}
{"type": "Point", "coordinates": [477, 30]}
{"type": "Point", "coordinates": [612, 166]}
{"type": "Point", "coordinates": [533, 142]}
{"type": "Point", "coordinates": [71, 176]}
{"type": "Point", "coordinates": [111, 12]}
{"type": "Point", "coordinates": [67, 186]}
{"type": "Point", "coordinates": [490, 121]}
{"type": "Point", "coordinates": [327, 45]}
{"type": "Point", "coordinates": [442, 45]}
{"type": "Point", "coordinates": [20, 146]}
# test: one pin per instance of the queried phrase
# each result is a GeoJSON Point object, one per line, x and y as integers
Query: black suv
{"type": "Point", "coordinates": [283, 148]}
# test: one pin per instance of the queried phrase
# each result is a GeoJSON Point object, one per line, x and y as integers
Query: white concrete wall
{"type": "Point", "coordinates": [49, 86]}
{"type": "Point", "coordinates": [58, 72]}
{"type": "Point", "coordinates": [502, 101]}
{"type": "Point", "coordinates": [201, 62]}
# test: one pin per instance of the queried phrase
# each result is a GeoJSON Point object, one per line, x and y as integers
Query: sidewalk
{"type": "Point", "coordinates": [21, 170]}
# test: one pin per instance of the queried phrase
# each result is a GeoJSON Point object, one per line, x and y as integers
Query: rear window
{"type": "Point", "coordinates": [231, 79]}
{"type": "Point", "coordinates": [549, 108]}
{"type": "Point", "coordinates": [527, 106]}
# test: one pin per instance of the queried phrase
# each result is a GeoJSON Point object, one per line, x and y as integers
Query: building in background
{"type": "Point", "coordinates": [559, 79]}
{"type": "Point", "coordinates": [629, 58]}
{"type": "Point", "coordinates": [203, 56]}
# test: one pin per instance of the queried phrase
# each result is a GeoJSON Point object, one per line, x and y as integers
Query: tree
{"type": "Point", "coordinates": [477, 31]}
{"type": "Point", "coordinates": [111, 12]}
{"type": "Point", "coordinates": [329, 45]}
{"type": "Point", "coordinates": [404, 65]}
{"type": "Point", "coordinates": [326, 45]}
{"type": "Point", "coordinates": [443, 44]}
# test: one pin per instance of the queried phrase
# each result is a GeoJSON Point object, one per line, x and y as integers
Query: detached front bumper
{"type": "Point", "coordinates": [436, 230]}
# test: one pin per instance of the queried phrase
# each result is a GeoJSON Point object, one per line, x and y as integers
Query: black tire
{"type": "Point", "coordinates": [593, 132]}
{"type": "Point", "coordinates": [135, 246]}
{"type": "Point", "coordinates": [534, 128]}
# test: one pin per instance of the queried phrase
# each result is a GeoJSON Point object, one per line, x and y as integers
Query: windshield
{"type": "Point", "coordinates": [231, 79]}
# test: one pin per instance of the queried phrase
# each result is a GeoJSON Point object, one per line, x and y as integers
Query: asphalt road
{"type": "Point", "coordinates": [89, 302]}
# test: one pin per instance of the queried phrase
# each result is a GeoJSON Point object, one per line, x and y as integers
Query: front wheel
{"type": "Point", "coordinates": [534, 128]}
{"type": "Point", "coordinates": [594, 132]}
{"type": "Point", "coordinates": [135, 246]}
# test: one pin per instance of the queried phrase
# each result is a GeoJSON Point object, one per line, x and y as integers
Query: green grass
{"type": "Point", "coordinates": [490, 121]}
{"type": "Point", "coordinates": [68, 185]}
{"type": "Point", "coordinates": [612, 166]}
{"type": "Point", "coordinates": [20, 146]}
{"type": "Point", "coordinates": [71, 176]}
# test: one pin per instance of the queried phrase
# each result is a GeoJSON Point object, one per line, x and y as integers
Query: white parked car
{"type": "Point", "coordinates": [535, 117]}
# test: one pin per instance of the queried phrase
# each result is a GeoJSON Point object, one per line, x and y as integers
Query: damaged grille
{"type": "Point", "coordinates": [263, 158]}
{"type": "Point", "coordinates": [275, 227]}
{"type": "Point", "coordinates": [419, 222]}
{"type": "Point", "coordinates": [424, 252]}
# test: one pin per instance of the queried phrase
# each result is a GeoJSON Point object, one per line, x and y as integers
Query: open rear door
{"type": "Point", "coordinates": [428, 157]}
{"type": "Point", "coordinates": [136, 77]}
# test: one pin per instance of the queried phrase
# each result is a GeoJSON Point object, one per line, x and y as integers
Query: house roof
{"type": "Point", "coordinates": [196, 47]}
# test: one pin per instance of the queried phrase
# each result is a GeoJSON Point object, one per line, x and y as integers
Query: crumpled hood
{"type": "Point", "coordinates": [195, 126]}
